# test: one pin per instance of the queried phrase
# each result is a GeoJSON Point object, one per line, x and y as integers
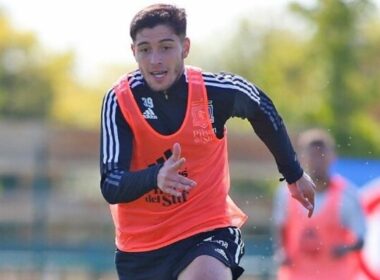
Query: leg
{"type": "Point", "coordinates": [215, 255]}
{"type": "Point", "coordinates": [155, 264]}
{"type": "Point", "coordinates": [206, 268]}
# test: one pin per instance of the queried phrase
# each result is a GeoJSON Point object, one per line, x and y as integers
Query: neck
{"type": "Point", "coordinates": [165, 91]}
{"type": "Point", "coordinates": [321, 182]}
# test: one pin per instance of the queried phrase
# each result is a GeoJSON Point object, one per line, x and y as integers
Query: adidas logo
{"type": "Point", "coordinates": [221, 252]}
{"type": "Point", "coordinates": [149, 114]}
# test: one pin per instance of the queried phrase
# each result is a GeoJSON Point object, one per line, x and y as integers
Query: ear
{"type": "Point", "coordinates": [133, 49]}
{"type": "Point", "coordinates": [185, 47]}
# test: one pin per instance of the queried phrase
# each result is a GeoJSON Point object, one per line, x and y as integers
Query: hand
{"type": "Point", "coordinates": [340, 250]}
{"type": "Point", "coordinates": [303, 190]}
{"type": "Point", "coordinates": [168, 178]}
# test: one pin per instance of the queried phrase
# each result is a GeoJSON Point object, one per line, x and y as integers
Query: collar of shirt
{"type": "Point", "coordinates": [175, 90]}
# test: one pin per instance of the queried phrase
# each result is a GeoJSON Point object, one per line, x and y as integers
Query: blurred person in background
{"type": "Point", "coordinates": [325, 246]}
{"type": "Point", "coordinates": [164, 162]}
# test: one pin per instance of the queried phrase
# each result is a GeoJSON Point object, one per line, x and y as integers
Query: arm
{"type": "Point", "coordinates": [117, 183]}
{"type": "Point", "coordinates": [255, 105]}
{"type": "Point", "coordinates": [341, 250]}
{"type": "Point", "coordinates": [269, 127]}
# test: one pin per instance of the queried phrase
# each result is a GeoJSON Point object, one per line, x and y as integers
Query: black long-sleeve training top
{"type": "Point", "coordinates": [229, 96]}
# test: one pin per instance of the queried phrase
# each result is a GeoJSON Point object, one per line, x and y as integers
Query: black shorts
{"type": "Point", "coordinates": [224, 244]}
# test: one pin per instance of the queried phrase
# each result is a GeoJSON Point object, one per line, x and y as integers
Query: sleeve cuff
{"type": "Point", "coordinates": [294, 176]}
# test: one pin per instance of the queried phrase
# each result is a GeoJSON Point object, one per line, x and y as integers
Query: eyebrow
{"type": "Point", "coordinates": [161, 41]}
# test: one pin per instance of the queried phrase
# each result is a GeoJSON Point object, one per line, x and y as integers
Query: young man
{"type": "Point", "coordinates": [325, 246]}
{"type": "Point", "coordinates": [164, 165]}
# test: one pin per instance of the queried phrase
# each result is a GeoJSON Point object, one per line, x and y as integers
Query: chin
{"type": "Point", "coordinates": [159, 88]}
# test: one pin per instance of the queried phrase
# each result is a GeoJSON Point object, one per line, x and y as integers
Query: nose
{"type": "Point", "coordinates": [155, 57]}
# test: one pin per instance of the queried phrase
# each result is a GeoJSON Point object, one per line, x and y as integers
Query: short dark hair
{"type": "Point", "coordinates": [316, 137]}
{"type": "Point", "coordinates": [156, 14]}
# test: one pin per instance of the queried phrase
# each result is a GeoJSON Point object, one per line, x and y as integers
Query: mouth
{"type": "Point", "coordinates": [159, 74]}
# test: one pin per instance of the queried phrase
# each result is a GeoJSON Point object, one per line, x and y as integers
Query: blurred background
{"type": "Point", "coordinates": [318, 60]}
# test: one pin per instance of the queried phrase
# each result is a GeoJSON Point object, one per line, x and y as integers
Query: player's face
{"type": "Point", "coordinates": [160, 55]}
{"type": "Point", "coordinates": [317, 161]}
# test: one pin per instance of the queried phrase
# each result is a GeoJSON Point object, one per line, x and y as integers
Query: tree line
{"type": "Point", "coordinates": [323, 74]}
